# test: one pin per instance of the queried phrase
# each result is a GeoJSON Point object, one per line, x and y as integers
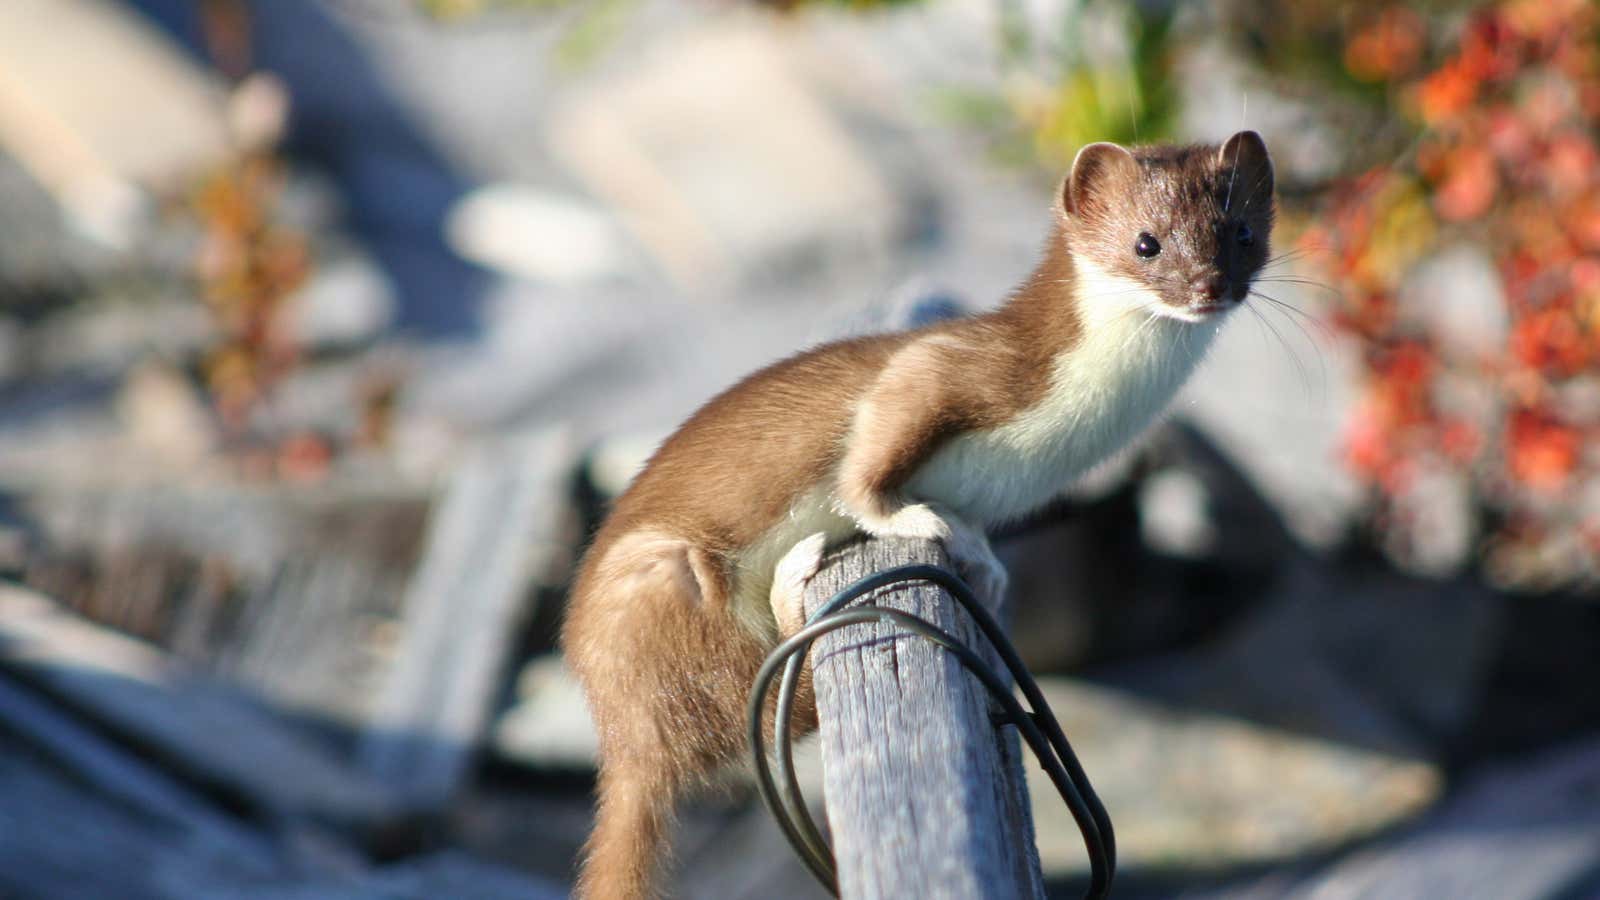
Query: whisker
{"type": "Point", "coordinates": [1322, 361]}
{"type": "Point", "coordinates": [1307, 282]}
{"type": "Point", "coordinates": [1300, 252]}
{"type": "Point", "coordinates": [1305, 377]}
{"type": "Point", "coordinates": [1321, 326]}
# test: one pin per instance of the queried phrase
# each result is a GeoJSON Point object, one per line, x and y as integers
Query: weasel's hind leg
{"type": "Point", "coordinates": [633, 820]}
{"type": "Point", "coordinates": [666, 669]}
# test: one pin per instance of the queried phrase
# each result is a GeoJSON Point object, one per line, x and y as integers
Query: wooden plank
{"type": "Point", "coordinates": [214, 736]}
{"type": "Point", "coordinates": [125, 780]}
{"type": "Point", "coordinates": [292, 591]}
{"type": "Point", "coordinates": [72, 132]}
{"type": "Point", "coordinates": [925, 795]}
{"type": "Point", "coordinates": [499, 522]}
{"type": "Point", "coordinates": [65, 835]}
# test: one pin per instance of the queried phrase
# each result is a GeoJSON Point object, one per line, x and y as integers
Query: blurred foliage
{"type": "Point", "coordinates": [1473, 123]}
{"type": "Point", "coordinates": [247, 268]}
{"type": "Point", "coordinates": [1105, 76]}
{"type": "Point", "coordinates": [1108, 77]}
{"type": "Point", "coordinates": [464, 9]}
{"type": "Point", "coordinates": [1504, 112]}
{"type": "Point", "coordinates": [592, 25]}
{"type": "Point", "coordinates": [249, 262]}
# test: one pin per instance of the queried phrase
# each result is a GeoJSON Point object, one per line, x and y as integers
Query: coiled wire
{"type": "Point", "coordinates": [1037, 724]}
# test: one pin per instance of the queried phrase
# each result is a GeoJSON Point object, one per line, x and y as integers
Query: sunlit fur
{"type": "Point", "coordinates": [1134, 355]}
{"type": "Point", "coordinates": [974, 421]}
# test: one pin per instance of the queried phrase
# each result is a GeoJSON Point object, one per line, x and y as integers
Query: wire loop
{"type": "Point", "coordinates": [1036, 723]}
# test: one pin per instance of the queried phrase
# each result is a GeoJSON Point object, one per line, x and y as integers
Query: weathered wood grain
{"type": "Point", "coordinates": [125, 776]}
{"type": "Point", "coordinates": [139, 698]}
{"type": "Point", "coordinates": [498, 523]}
{"type": "Point", "coordinates": [925, 795]}
{"type": "Point", "coordinates": [292, 591]}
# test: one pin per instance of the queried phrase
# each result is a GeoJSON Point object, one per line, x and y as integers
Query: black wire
{"type": "Point", "coordinates": [1008, 655]}
{"type": "Point", "coordinates": [1050, 744]}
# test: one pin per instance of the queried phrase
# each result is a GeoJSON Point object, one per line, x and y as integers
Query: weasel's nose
{"type": "Point", "coordinates": [1211, 287]}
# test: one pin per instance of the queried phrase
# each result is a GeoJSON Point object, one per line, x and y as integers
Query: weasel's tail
{"type": "Point", "coordinates": [622, 858]}
{"type": "Point", "coordinates": [666, 669]}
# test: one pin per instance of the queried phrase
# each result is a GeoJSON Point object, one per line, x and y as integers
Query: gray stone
{"type": "Point", "coordinates": [1522, 830]}
{"type": "Point", "coordinates": [525, 232]}
{"type": "Point", "coordinates": [73, 133]}
{"type": "Point", "coordinates": [1454, 294]}
{"type": "Point", "coordinates": [548, 725]}
{"type": "Point", "coordinates": [1195, 790]}
{"type": "Point", "coordinates": [1438, 525]}
{"type": "Point", "coordinates": [1373, 660]}
{"type": "Point", "coordinates": [165, 415]}
{"type": "Point", "coordinates": [1173, 514]}
{"type": "Point", "coordinates": [348, 300]}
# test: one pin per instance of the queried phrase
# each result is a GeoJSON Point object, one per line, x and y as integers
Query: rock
{"type": "Point", "coordinates": [1274, 395]}
{"type": "Point", "coordinates": [614, 461]}
{"type": "Point", "coordinates": [137, 696]}
{"type": "Point", "coordinates": [1438, 522]}
{"type": "Point", "coordinates": [108, 332]}
{"type": "Point", "coordinates": [1455, 294]}
{"type": "Point", "coordinates": [548, 724]}
{"type": "Point", "coordinates": [1374, 660]}
{"type": "Point", "coordinates": [1517, 831]}
{"type": "Point", "coordinates": [1173, 516]}
{"type": "Point", "coordinates": [12, 343]}
{"type": "Point", "coordinates": [74, 133]}
{"type": "Point", "coordinates": [530, 233]}
{"type": "Point", "coordinates": [165, 415]}
{"type": "Point", "coordinates": [705, 208]}
{"type": "Point", "coordinates": [1114, 576]}
{"type": "Point", "coordinates": [1194, 790]}
{"type": "Point", "coordinates": [346, 301]}
{"type": "Point", "coordinates": [443, 874]}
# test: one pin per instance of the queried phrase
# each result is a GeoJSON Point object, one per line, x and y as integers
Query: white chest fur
{"type": "Point", "coordinates": [1103, 392]}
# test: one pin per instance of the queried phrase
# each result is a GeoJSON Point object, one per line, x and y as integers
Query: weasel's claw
{"type": "Point", "coordinates": [976, 563]}
{"type": "Point", "coordinates": [789, 579]}
{"type": "Point", "coordinates": [915, 520]}
{"type": "Point", "coordinates": [966, 545]}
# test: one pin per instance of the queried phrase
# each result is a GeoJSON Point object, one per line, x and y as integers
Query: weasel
{"type": "Point", "coordinates": [935, 433]}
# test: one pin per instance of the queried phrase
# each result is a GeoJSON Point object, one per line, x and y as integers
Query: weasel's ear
{"type": "Point", "coordinates": [1097, 171]}
{"type": "Point", "coordinates": [1245, 155]}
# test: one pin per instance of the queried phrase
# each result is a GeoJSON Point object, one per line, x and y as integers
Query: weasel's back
{"type": "Point", "coordinates": [744, 444]}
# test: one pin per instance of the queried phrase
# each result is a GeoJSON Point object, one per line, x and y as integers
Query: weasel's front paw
{"type": "Point", "coordinates": [966, 545]}
{"type": "Point", "coordinates": [914, 520]}
{"type": "Point", "coordinates": [968, 548]}
{"type": "Point", "coordinates": [789, 579]}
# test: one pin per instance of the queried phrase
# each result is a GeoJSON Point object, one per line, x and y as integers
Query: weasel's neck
{"type": "Point", "coordinates": [1108, 363]}
{"type": "Point", "coordinates": [1044, 312]}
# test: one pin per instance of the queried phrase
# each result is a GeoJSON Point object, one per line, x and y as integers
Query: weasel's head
{"type": "Point", "coordinates": [1181, 231]}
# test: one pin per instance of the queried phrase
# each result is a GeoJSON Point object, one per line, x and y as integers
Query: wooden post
{"type": "Point", "coordinates": [496, 527]}
{"type": "Point", "coordinates": [925, 795]}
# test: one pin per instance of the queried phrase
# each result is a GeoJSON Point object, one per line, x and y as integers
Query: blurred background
{"type": "Point", "coordinates": [329, 327]}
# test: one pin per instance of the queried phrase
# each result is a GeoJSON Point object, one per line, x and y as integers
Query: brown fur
{"type": "Point", "coordinates": [651, 631]}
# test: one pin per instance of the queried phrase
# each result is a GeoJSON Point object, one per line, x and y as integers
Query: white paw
{"type": "Point", "coordinates": [966, 545]}
{"type": "Point", "coordinates": [789, 579]}
{"type": "Point", "coordinates": [915, 520]}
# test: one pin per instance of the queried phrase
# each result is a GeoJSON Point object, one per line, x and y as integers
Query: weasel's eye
{"type": "Point", "coordinates": [1148, 246]}
{"type": "Point", "coordinates": [1244, 235]}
